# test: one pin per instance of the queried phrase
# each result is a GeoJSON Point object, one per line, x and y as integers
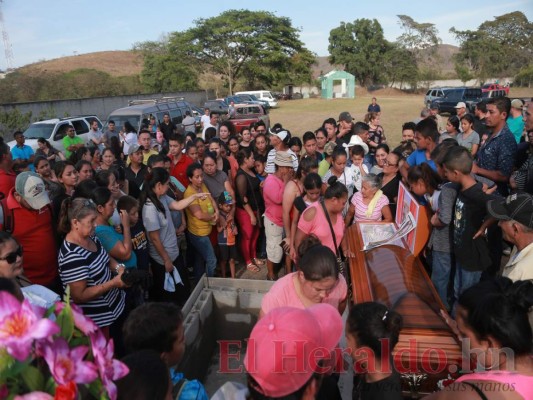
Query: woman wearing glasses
{"type": "Point", "coordinates": [11, 268]}
{"type": "Point", "coordinates": [391, 179]}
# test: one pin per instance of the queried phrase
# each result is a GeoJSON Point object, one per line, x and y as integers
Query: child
{"type": "Point", "coordinates": [226, 235]}
{"type": "Point", "coordinates": [471, 250]}
{"type": "Point", "coordinates": [425, 182]}
{"type": "Point", "coordinates": [440, 240]}
{"type": "Point", "coordinates": [357, 155]}
{"type": "Point", "coordinates": [159, 327]}
{"type": "Point", "coordinates": [138, 239]}
{"type": "Point", "coordinates": [260, 164]}
{"type": "Point", "coordinates": [372, 331]}
{"type": "Point", "coordinates": [312, 191]}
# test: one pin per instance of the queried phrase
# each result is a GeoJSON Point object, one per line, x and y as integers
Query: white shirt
{"type": "Point", "coordinates": [129, 139]}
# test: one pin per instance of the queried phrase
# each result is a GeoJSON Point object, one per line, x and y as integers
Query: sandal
{"type": "Point", "coordinates": [275, 278]}
{"type": "Point", "coordinates": [259, 262]}
{"type": "Point", "coordinates": [252, 267]}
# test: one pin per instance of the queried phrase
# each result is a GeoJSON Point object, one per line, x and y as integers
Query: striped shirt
{"type": "Point", "coordinates": [361, 208]}
{"type": "Point", "coordinates": [270, 167]}
{"type": "Point", "coordinates": [79, 264]}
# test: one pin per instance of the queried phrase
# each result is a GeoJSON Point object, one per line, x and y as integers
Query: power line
{"type": "Point", "coordinates": [5, 37]}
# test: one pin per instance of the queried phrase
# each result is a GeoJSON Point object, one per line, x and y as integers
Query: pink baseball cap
{"type": "Point", "coordinates": [286, 344]}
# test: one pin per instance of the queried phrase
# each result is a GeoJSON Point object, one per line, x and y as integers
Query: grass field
{"type": "Point", "coordinates": [300, 116]}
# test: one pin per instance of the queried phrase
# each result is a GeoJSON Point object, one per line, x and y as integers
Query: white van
{"type": "Point", "coordinates": [262, 95]}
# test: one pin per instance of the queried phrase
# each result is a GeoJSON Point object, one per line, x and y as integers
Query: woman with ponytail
{"type": "Point", "coordinates": [372, 331]}
{"type": "Point", "coordinates": [171, 281]}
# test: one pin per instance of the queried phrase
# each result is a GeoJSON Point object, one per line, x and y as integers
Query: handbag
{"type": "Point", "coordinates": [340, 262]}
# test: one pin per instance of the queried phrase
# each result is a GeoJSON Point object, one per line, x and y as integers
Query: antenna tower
{"type": "Point", "coordinates": [7, 44]}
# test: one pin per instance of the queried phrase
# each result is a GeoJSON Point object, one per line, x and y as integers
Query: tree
{"type": "Point", "coordinates": [524, 77]}
{"type": "Point", "coordinates": [463, 73]}
{"type": "Point", "coordinates": [361, 48]}
{"type": "Point", "coordinates": [497, 48]}
{"type": "Point", "coordinates": [399, 66]}
{"type": "Point", "coordinates": [256, 46]}
{"type": "Point", "coordinates": [420, 39]}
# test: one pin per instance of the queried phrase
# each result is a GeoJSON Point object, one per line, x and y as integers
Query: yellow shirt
{"type": "Point", "coordinates": [146, 156]}
{"type": "Point", "coordinates": [194, 225]}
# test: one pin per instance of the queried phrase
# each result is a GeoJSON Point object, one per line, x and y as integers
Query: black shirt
{"type": "Point", "coordinates": [470, 212]}
{"type": "Point", "coordinates": [167, 130]}
{"type": "Point", "coordinates": [137, 178]}
{"type": "Point", "coordinates": [391, 191]}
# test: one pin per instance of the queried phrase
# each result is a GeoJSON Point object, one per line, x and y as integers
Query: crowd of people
{"type": "Point", "coordinates": [130, 221]}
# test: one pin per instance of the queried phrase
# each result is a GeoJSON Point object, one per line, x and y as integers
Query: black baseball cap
{"type": "Point", "coordinates": [517, 207]}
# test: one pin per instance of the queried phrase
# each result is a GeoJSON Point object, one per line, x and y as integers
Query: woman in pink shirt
{"type": "Point", "coordinates": [317, 281]}
{"type": "Point", "coordinates": [273, 194]}
{"type": "Point", "coordinates": [369, 204]}
{"type": "Point", "coordinates": [314, 220]}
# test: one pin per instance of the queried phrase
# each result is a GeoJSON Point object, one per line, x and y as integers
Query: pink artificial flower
{"type": "Point", "coordinates": [34, 396]}
{"type": "Point", "coordinates": [67, 364]}
{"type": "Point", "coordinates": [83, 323]}
{"type": "Point", "coordinates": [109, 368]}
{"type": "Point", "coordinates": [21, 324]}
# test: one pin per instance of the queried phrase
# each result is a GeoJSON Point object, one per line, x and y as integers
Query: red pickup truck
{"type": "Point", "coordinates": [494, 86]}
{"type": "Point", "coordinates": [247, 114]}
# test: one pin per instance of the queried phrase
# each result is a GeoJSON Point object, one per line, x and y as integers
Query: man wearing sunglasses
{"type": "Point", "coordinates": [27, 216]}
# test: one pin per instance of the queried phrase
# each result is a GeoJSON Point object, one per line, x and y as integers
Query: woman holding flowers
{"type": "Point", "coordinates": [93, 277]}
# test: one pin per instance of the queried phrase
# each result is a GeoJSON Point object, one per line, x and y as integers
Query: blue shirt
{"type": "Point", "coordinates": [23, 153]}
{"type": "Point", "coordinates": [109, 238]}
{"type": "Point", "coordinates": [418, 157]}
{"type": "Point", "coordinates": [190, 390]}
{"type": "Point", "coordinates": [498, 154]}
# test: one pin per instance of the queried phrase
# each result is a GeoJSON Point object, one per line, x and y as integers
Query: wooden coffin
{"type": "Point", "coordinates": [427, 349]}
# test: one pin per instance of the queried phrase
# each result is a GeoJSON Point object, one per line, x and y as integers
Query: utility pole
{"type": "Point", "coordinates": [5, 38]}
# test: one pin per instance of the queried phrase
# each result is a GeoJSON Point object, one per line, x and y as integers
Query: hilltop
{"type": "Point", "coordinates": [128, 63]}
{"type": "Point", "coordinates": [115, 63]}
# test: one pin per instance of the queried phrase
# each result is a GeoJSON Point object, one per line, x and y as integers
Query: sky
{"type": "Point", "coordinates": [43, 30]}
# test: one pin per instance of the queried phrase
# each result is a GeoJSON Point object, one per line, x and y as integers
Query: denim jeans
{"type": "Point", "coordinates": [463, 280]}
{"type": "Point", "coordinates": [204, 257]}
{"type": "Point", "coordinates": [440, 275]}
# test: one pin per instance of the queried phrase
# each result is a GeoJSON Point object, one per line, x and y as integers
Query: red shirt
{"type": "Point", "coordinates": [33, 230]}
{"type": "Point", "coordinates": [7, 181]}
{"type": "Point", "coordinates": [179, 170]}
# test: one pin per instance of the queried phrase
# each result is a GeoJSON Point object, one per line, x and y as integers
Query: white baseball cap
{"type": "Point", "coordinates": [31, 188]}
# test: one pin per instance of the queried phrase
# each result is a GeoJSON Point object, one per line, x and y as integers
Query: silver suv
{"type": "Point", "coordinates": [54, 130]}
{"type": "Point", "coordinates": [432, 94]}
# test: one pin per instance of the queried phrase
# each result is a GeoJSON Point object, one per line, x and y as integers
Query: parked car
{"type": "Point", "coordinates": [54, 130]}
{"type": "Point", "coordinates": [261, 95]}
{"type": "Point", "coordinates": [138, 112]}
{"type": "Point", "coordinates": [470, 96]}
{"type": "Point", "coordinates": [249, 98]}
{"type": "Point", "coordinates": [217, 105]}
{"type": "Point", "coordinates": [489, 94]}
{"type": "Point", "coordinates": [494, 86]}
{"type": "Point", "coordinates": [433, 94]}
{"type": "Point", "coordinates": [246, 114]}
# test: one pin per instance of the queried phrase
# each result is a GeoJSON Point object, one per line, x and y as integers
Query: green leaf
{"type": "Point", "coordinates": [33, 378]}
